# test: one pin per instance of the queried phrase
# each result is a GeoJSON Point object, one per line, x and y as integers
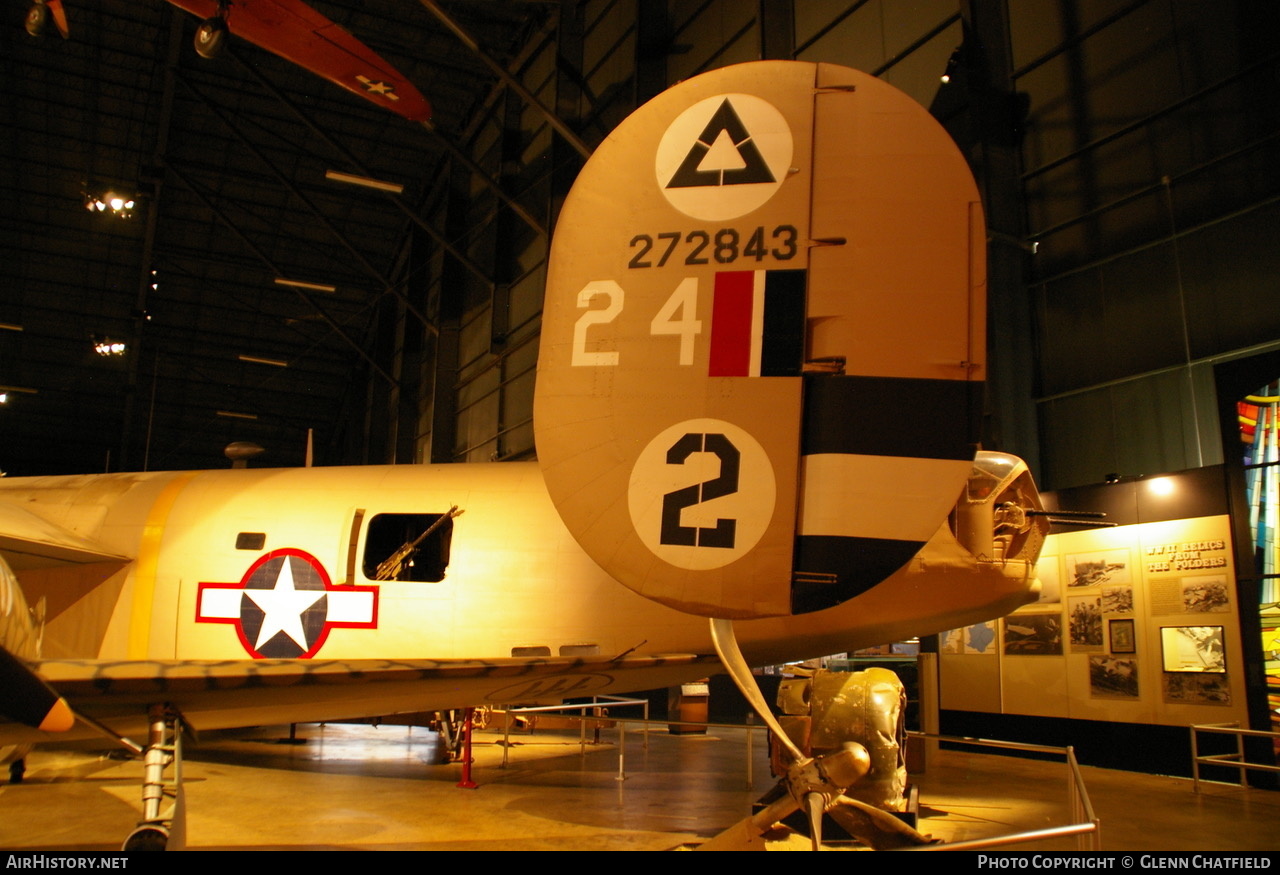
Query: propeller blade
{"type": "Point", "coordinates": [813, 804]}
{"type": "Point", "coordinates": [29, 700]}
{"type": "Point", "coordinates": [726, 643]}
{"type": "Point", "coordinates": [875, 827]}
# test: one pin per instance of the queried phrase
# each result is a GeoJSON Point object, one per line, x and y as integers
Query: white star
{"type": "Point", "coordinates": [283, 607]}
{"type": "Point", "coordinates": [380, 88]}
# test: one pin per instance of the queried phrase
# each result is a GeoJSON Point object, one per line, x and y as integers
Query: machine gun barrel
{"type": "Point", "coordinates": [390, 567]}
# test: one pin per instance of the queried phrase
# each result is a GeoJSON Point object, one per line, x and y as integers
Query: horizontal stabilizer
{"type": "Point", "coordinates": [28, 541]}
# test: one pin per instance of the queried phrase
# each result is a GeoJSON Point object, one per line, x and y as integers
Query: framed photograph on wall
{"type": "Point", "coordinates": [1033, 635]}
{"type": "Point", "coordinates": [1121, 637]}
{"type": "Point", "coordinates": [1193, 649]}
{"type": "Point", "coordinates": [1113, 677]}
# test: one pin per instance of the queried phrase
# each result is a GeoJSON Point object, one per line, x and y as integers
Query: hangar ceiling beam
{"type": "Point", "coordinates": [990, 92]}
{"type": "Point", "coordinates": [297, 192]}
{"type": "Point", "coordinates": [271, 266]}
{"type": "Point", "coordinates": [570, 136]}
{"type": "Point", "coordinates": [159, 153]}
{"type": "Point", "coordinates": [471, 164]}
{"type": "Point", "coordinates": [444, 141]}
{"type": "Point", "coordinates": [653, 45]}
{"type": "Point", "coordinates": [777, 30]}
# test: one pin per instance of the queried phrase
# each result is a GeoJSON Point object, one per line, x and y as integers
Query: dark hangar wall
{"type": "Point", "coordinates": [1126, 150]}
{"type": "Point", "coordinates": [592, 66]}
{"type": "Point", "coordinates": [1151, 173]}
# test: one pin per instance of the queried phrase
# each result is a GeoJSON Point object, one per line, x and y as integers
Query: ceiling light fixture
{"type": "Point", "coordinates": [364, 181]}
{"type": "Point", "coordinates": [107, 346]}
{"type": "Point", "coordinates": [301, 284]}
{"type": "Point", "coordinates": [118, 205]}
{"type": "Point", "coordinates": [231, 414]}
{"type": "Point", "coordinates": [9, 326]}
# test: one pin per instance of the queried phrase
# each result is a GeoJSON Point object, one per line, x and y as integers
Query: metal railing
{"type": "Point", "coordinates": [1228, 760]}
{"type": "Point", "coordinates": [1086, 826]}
{"type": "Point", "coordinates": [645, 722]}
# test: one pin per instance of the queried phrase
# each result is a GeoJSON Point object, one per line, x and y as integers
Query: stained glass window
{"type": "Point", "coordinates": [1259, 416]}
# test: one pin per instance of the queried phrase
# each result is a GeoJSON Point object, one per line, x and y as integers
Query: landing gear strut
{"type": "Point", "coordinates": [163, 826]}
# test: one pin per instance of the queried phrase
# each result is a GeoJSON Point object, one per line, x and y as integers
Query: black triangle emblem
{"type": "Point", "coordinates": [724, 122]}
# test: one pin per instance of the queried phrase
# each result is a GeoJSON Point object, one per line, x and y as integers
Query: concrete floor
{"type": "Point", "coordinates": [367, 788]}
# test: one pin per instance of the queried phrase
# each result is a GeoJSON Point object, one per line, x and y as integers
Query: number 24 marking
{"type": "Point", "coordinates": [677, 316]}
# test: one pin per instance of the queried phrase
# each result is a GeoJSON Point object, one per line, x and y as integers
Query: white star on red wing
{"type": "Point", "coordinates": [282, 607]}
{"type": "Point", "coordinates": [378, 87]}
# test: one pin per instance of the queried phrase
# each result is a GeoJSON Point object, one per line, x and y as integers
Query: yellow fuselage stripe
{"type": "Point", "coordinates": [144, 580]}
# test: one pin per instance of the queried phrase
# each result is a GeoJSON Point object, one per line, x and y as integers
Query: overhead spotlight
{"type": "Point", "coordinates": [232, 414]}
{"type": "Point", "coordinates": [945, 78]}
{"type": "Point", "coordinates": [302, 284]}
{"type": "Point", "coordinates": [1161, 486]}
{"type": "Point", "coordinates": [105, 346]}
{"type": "Point", "coordinates": [118, 205]}
{"type": "Point", "coordinates": [4, 397]}
{"type": "Point", "coordinates": [364, 181]}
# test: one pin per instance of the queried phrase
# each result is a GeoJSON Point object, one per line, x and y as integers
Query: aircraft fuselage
{"type": "Point", "coordinates": [200, 583]}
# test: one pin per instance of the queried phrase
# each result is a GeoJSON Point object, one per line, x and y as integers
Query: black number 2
{"type": "Point", "coordinates": [673, 503]}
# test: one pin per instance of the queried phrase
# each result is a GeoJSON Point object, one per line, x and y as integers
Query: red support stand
{"type": "Point", "coordinates": [466, 783]}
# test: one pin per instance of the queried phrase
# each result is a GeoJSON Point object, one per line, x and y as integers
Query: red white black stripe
{"type": "Point", "coordinates": [757, 323]}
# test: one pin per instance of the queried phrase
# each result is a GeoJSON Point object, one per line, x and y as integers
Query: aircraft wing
{"type": "Point", "coordinates": [220, 694]}
{"type": "Point", "coordinates": [298, 33]}
{"type": "Point", "coordinates": [29, 541]}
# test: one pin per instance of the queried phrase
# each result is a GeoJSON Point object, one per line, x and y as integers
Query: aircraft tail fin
{"type": "Point", "coordinates": [759, 383]}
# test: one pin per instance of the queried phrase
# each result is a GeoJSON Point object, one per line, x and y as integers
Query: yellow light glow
{"type": "Point", "coordinates": [107, 346]}
{"type": "Point", "coordinates": [302, 284]}
{"type": "Point", "coordinates": [1161, 486]}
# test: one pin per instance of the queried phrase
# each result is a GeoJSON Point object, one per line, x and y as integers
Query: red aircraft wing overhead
{"type": "Point", "coordinates": [298, 33]}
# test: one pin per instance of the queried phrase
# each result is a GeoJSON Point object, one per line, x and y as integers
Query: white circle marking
{"type": "Point", "coordinates": [659, 507]}
{"type": "Point", "coordinates": [697, 177]}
